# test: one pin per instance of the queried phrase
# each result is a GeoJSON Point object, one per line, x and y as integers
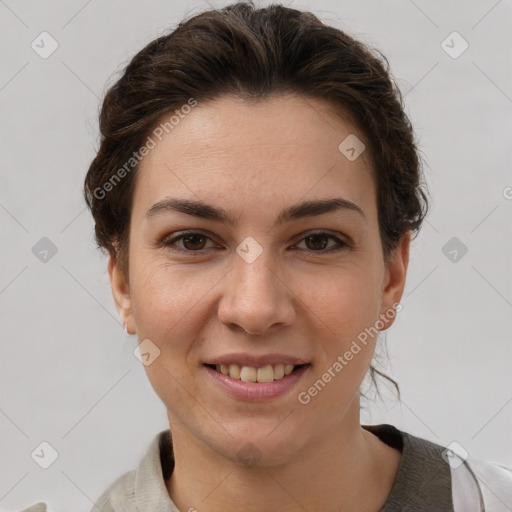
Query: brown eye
{"type": "Point", "coordinates": [318, 242]}
{"type": "Point", "coordinates": [189, 242]}
{"type": "Point", "coordinates": [194, 242]}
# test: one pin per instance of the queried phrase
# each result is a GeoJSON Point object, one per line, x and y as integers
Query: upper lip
{"type": "Point", "coordinates": [256, 361]}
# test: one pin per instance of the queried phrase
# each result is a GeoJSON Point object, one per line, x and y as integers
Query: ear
{"type": "Point", "coordinates": [121, 293]}
{"type": "Point", "coordinates": [394, 283]}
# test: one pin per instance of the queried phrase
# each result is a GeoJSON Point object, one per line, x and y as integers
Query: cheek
{"type": "Point", "coordinates": [164, 295]}
{"type": "Point", "coordinates": [170, 305]}
{"type": "Point", "coordinates": [344, 313]}
{"type": "Point", "coordinates": [344, 301]}
{"type": "Point", "coordinates": [344, 310]}
{"type": "Point", "coordinates": [164, 310]}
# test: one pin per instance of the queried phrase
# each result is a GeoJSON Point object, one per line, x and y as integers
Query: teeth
{"type": "Point", "coordinates": [248, 374]}
{"type": "Point", "coordinates": [267, 373]}
{"type": "Point", "coordinates": [278, 371]}
{"type": "Point", "coordinates": [288, 368]}
{"type": "Point", "coordinates": [234, 371]}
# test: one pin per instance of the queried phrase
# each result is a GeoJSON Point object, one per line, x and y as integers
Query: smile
{"type": "Point", "coordinates": [251, 383]}
{"type": "Point", "coordinates": [267, 373]}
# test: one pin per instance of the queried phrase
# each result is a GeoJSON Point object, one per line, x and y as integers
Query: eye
{"type": "Point", "coordinates": [317, 242]}
{"type": "Point", "coordinates": [194, 242]}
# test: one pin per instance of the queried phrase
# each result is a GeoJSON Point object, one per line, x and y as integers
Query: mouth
{"type": "Point", "coordinates": [262, 374]}
{"type": "Point", "coordinates": [256, 383]}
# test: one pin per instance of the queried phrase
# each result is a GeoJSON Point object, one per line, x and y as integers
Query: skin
{"type": "Point", "coordinates": [253, 160]}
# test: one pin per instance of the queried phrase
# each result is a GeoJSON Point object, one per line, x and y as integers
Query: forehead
{"type": "Point", "coordinates": [283, 147]}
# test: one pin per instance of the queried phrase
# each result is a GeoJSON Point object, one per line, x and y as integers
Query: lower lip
{"type": "Point", "coordinates": [257, 391]}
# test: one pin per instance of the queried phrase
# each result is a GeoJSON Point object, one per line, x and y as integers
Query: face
{"type": "Point", "coordinates": [276, 281]}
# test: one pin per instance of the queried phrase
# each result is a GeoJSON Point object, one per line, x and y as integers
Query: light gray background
{"type": "Point", "coordinates": [68, 375]}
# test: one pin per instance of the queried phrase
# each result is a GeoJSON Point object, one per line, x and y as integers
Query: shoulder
{"type": "Point", "coordinates": [119, 496]}
{"type": "Point", "coordinates": [494, 482]}
{"type": "Point", "coordinates": [476, 485]}
{"type": "Point", "coordinates": [435, 477]}
{"type": "Point", "coordinates": [38, 507]}
{"type": "Point", "coordinates": [145, 485]}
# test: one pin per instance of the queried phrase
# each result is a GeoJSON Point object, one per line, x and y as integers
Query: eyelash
{"type": "Point", "coordinates": [168, 243]}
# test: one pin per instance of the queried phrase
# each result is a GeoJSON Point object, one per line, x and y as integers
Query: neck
{"type": "Point", "coordinates": [350, 469]}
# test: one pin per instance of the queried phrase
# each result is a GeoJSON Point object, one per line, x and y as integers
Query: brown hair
{"type": "Point", "coordinates": [252, 53]}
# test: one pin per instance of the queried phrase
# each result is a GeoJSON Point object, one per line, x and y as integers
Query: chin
{"type": "Point", "coordinates": [267, 443]}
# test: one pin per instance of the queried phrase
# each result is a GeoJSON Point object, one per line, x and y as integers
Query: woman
{"type": "Point", "coordinates": [256, 188]}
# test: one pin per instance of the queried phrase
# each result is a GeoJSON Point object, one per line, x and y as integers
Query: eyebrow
{"type": "Point", "coordinates": [294, 212]}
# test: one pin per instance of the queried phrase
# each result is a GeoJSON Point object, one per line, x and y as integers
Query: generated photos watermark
{"type": "Point", "coordinates": [164, 127]}
{"type": "Point", "coordinates": [304, 397]}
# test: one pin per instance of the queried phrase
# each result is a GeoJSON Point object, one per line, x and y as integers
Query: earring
{"type": "Point", "coordinates": [126, 328]}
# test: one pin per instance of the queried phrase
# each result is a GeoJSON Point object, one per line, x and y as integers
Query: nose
{"type": "Point", "coordinates": [256, 297]}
